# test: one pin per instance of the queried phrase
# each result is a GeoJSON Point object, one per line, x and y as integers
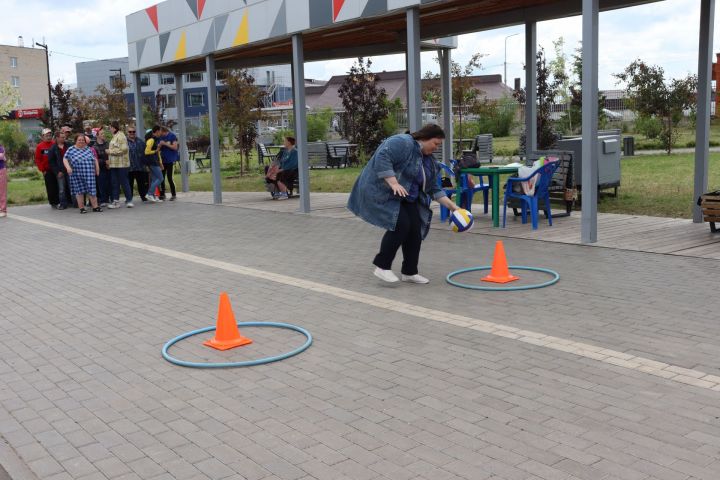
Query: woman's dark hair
{"type": "Point", "coordinates": [429, 131]}
{"type": "Point", "coordinates": [115, 125]}
{"type": "Point", "coordinates": [155, 128]}
{"type": "Point", "coordinates": [148, 135]}
{"type": "Point", "coordinates": [291, 140]}
{"type": "Point", "coordinates": [82, 134]}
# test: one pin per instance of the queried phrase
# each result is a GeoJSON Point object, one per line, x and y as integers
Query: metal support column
{"type": "Point", "coordinates": [702, 128]}
{"type": "Point", "coordinates": [181, 133]}
{"type": "Point", "coordinates": [137, 92]}
{"type": "Point", "coordinates": [589, 121]}
{"type": "Point", "coordinates": [414, 100]}
{"type": "Point", "coordinates": [214, 132]}
{"type": "Point", "coordinates": [530, 87]}
{"type": "Point", "coordinates": [298, 87]}
{"type": "Point", "coordinates": [447, 113]}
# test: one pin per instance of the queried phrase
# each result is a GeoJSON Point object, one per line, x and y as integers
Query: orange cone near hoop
{"type": "Point", "coordinates": [227, 335]}
{"type": "Point", "coordinates": [500, 273]}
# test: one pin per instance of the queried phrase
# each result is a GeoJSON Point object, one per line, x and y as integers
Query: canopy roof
{"type": "Point", "coordinates": [176, 35]}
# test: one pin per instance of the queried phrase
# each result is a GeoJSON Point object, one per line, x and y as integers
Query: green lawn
{"type": "Point", "coordinates": [657, 185]}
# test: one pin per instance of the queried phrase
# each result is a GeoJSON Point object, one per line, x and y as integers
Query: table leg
{"type": "Point", "coordinates": [495, 180]}
{"type": "Point", "coordinates": [458, 191]}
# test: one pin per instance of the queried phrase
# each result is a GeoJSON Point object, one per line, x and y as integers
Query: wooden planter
{"type": "Point", "coordinates": [710, 204]}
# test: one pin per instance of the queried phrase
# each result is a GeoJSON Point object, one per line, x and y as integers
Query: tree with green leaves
{"type": "Point", "coordinates": [365, 107]}
{"type": "Point", "coordinates": [108, 104]}
{"type": "Point", "coordinates": [68, 109]}
{"type": "Point", "coordinates": [240, 108]}
{"type": "Point", "coordinates": [654, 97]}
{"type": "Point", "coordinates": [548, 86]}
{"type": "Point", "coordinates": [9, 98]}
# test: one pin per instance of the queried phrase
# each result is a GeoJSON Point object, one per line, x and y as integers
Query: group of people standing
{"type": "Point", "coordinates": [87, 164]}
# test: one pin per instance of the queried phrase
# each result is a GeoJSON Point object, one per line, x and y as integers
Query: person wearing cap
{"type": "Point", "coordinates": [41, 161]}
{"type": "Point", "coordinates": [138, 171]}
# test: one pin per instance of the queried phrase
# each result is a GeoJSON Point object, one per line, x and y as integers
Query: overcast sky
{"type": "Point", "coordinates": [663, 33]}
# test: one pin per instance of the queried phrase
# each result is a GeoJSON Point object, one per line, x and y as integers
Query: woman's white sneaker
{"type": "Point", "coordinates": [385, 275]}
{"type": "Point", "coordinates": [414, 279]}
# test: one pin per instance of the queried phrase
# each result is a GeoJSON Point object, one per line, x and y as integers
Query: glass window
{"type": "Point", "coordinates": [170, 100]}
{"type": "Point", "coordinates": [117, 81]}
{"type": "Point", "coordinates": [196, 99]}
{"type": "Point", "coordinates": [221, 74]}
{"type": "Point", "coordinates": [144, 80]}
{"type": "Point", "coordinates": [13, 62]}
{"type": "Point", "coordinates": [167, 79]}
{"type": "Point", "coordinates": [15, 81]}
{"type": "Point", "coordinates": [194, 77]}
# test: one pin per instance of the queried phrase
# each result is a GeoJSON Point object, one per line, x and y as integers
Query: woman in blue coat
{"type": "Point", "coordinates": [394, 192]}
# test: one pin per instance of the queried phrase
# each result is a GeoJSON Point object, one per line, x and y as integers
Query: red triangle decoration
{"type": "Point", "coordinates": [337, 5]}
{"type": "Point", "coordinates": [152, 13]}
{"type": "Point", "coordinates": [201, 6]}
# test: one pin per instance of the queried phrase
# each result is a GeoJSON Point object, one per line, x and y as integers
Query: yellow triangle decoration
{"type": "Point", "coordinates": [181, 51]}
{"type": "Point", "coordinates": [242, 36]}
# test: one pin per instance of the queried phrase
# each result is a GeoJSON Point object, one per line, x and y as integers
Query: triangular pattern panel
{"type": "Point", "coordinates": [350, 9]}
{"type": "Point", "coordinates": [373, 7]}
{"type": "Point", "coordinates": [139, 26]}
{"type": "Point", "coordinates": [298, 15]}
{"type": "Point", "coordinates": [174, 14]}
{"type": "Point", "coordinates": [151, 53]}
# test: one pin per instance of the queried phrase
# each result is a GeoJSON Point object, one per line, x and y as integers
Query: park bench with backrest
{"type": "Point", "coordinates": [264, 154]}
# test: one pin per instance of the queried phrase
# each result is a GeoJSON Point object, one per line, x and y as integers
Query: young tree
{"type": "Point", "coordinates": [68, 109]}
{"type": "Point", "coordinates": [464, 94]}
{"type": "Point", "coordinates": [652, 96]}
{"type": "Point", "coordinates": [240, 109]}
{"type": "Point", "coordinates": [365, 107]}
{"type": "Point", "coordinates": [9, 97]}
{"type": "Point", "coordinates": [108, 104]}
{"type": "Point", "coordinates": [548, 86]}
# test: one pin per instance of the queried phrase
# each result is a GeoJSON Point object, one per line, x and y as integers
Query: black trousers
{"type": "Point", "coordinates": [51, 187]}
{"type": "Point", "coordinates": [141, 178]}
{"type": "Point", "coordinates": [408, 235]}
{"type": "Point", "coordinates": [167, 173]}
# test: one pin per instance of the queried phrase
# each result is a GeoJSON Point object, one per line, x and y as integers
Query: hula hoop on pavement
{"type": "Point", "coordinates": [555, 275]}
{"type": "Point", "coordinates": [247, 363]}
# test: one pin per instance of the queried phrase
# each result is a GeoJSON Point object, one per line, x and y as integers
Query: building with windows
{"type": "Point", "coordinates": [26, 69]}
{"type": "Point", "coordinates": [276, 81]}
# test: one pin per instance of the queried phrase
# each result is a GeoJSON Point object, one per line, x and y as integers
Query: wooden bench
{"type": "Point", "coordinates": [710, 204]}
{"type": "Point", "coordinates": [264, 153]}
{"type": "Point", "coordinates": [200, 160]}
{"type": "Point", "coordinates": [336, 156]}
{"type": "Point", "coordinates": [317, 155]}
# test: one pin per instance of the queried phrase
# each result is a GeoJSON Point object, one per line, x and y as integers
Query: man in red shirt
{"type": "Point", "coordinates": [41, 160]}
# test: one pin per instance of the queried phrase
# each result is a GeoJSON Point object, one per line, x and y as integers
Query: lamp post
{"type": "Point", "coordinates": [47, 64]}
{"type": "Point", "coordinates": [505, 62]}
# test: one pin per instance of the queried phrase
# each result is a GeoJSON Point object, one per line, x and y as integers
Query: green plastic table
{"type": "Point", "coordinates": [493, 173]}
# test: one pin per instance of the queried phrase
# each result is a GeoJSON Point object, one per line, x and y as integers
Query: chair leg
{"type": "Point", "coordinates": [549, 212]}
{"type": "Point", "coordinates": [485, 200]}
{"type": "Point", "coordinates": [523, 211]}
{"type": "Point", "coordinates": [534, 212]}
{"type": "Point", "coordinates": [504, 210]}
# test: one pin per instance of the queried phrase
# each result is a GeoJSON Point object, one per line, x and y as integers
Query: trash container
{"type": "Point", "coordinates": [629, 146]}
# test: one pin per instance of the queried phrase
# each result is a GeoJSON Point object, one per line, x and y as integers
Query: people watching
{"type": "Point", "coordinates": [138, 173]}
{"type": "Point", "coordinates": [119, 162]}
{"type": "Point", "coordinates": [288, 173]}
{"type": "Point", "coordinates": [3, 184]}
{"type": "Point", "coordinates": [104, 186]}
{"type": "Point", "coordinates": [57, 169]}
{"type": "Point", "coordinates": [151, 159]}
{"type": "Point", "coordinates": [41, 161]}
{"type": "Point", "coordinates": [169, 154]}
{"type": "Point", "coordinates": [82, 167]}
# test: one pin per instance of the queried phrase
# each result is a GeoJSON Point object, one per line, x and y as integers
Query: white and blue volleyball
{"type": "Point", "coordinates": [461, 220]}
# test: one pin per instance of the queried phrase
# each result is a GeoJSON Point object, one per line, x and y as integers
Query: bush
{"type": "Point", "coordinates": [14, 141]}
{"type": "Point", "coordinates": [496, 117]}
{"type": "Point", "coordinates": [651, 127]}
{"type": "Point", "coordinates": [318, 124]}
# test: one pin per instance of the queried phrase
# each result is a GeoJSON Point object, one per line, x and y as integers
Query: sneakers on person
{"type": "Point", "coordinates": [282, 196]}
{"type": "Point", "coordinates": [172, 199]}
{"type": "Point", "coordinates": [3, 214]}
{"type": "Point", "coordinates": [151, 198]}
{"type": "Point", "coordinates": [103, 204]}
{"type": "Point", "coordinates": [414, 279]}
{"type": "Point", "coordinates": [385, 275]}
{"type": "Point", "coordinates": [97, 209]}
{"type": "Point", "coordinates": [129, 204]}
{"type": "Point", "coordinates": [113, 204]}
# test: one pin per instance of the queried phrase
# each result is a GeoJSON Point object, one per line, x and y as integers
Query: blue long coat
{"type": "Point", "coordinates": [373, 200]}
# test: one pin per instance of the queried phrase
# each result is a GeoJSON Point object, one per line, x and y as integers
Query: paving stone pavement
{"type": "Point", "coordinates": [382, 393]}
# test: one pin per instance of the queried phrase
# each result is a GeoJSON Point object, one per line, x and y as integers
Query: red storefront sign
{"type": "Point", "coordinates": [29, 113]}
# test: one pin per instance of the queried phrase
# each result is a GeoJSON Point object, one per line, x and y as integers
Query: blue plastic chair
{"type": "Point", "coordinates": [466, 191]}
{"type": "Point", "coordinates": [528, 202]}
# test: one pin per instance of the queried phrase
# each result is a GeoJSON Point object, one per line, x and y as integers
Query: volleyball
{"type": "Point", "coordinates": [461, 220]}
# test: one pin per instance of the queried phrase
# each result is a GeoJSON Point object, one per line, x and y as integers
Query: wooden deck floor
{"type": "Point", "coordinates": [671, 236]}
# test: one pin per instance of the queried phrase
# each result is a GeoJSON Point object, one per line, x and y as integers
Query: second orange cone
{"type": "Point", "coordinates": [500, 273]}
{"type": "Point", "coordinates": [227, 335]}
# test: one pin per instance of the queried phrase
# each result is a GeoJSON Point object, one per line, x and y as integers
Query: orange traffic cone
{"type": "Point", "coordinates": [500, 272]}
{"type": "Point", "coordinates": [227, 335]}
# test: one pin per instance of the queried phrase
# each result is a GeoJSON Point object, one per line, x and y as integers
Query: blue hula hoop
{"type": "Point", "coordinates": [247, 363]}
{"type": "Point", "coordinates": [555, 275]}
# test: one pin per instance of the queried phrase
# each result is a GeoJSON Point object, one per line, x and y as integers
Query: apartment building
{"type": "Point", "coordinates": [25, 69]}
